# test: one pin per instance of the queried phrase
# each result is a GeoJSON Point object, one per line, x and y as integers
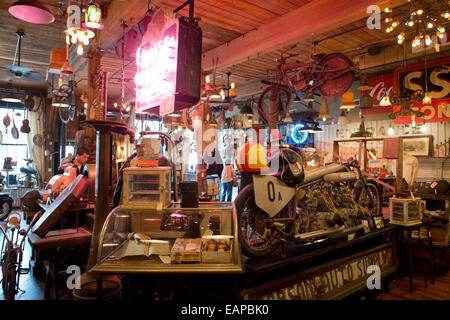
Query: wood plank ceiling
{"type": "Point", "coordinates": [221, 22]}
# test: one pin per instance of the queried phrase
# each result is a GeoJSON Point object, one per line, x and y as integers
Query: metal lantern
{"type": "Point", "coordinates": [93, 17]}
{"type": "Point", "coordinates": [366, 101]}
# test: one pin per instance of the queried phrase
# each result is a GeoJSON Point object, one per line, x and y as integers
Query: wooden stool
{"type": "Point", "coordinates": [66, 238]}
{"type": "Point", "coordinates": [408, 252]}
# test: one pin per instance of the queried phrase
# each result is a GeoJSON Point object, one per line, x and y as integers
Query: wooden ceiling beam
{"type": "Point", "coordinates": [317, 17]}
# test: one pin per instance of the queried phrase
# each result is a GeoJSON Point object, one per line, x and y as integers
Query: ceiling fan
{"type": "Point", "coordinates": [16, 71]}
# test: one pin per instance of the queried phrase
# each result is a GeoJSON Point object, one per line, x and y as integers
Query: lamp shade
{"type": "Point", "coordinates": [246, 109]}
{"type": "Point", "coordinates": [324, 114]}
{"type": "Point", "coordinates": [366, 101]}
{"type": "Point", "coordinates": [348, 100]}
{"type": "Point", "coordinates": [343, 120]}
{"type": "Point", "coordinates": [385, 102]}
{"type": "Point", "coordinates": [66, 68]}
{"type": "Point", "coordinates": [93, 17]}
{"type": "Point", "coordinates": [365, 86]}
{"type": "Point", "coordinates": [32, 12]}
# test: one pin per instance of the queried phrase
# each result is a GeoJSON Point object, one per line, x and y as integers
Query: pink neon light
{"type": "Point", "coordinates": [156, 76]}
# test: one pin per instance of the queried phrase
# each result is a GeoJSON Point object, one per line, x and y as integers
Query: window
{"type": "Point", "coordinates": [17, 149]}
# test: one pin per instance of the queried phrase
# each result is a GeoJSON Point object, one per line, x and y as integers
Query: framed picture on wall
{"type": "Point", "coordinates": [418, 145]}
{"type": "Point", "coordinates": [378, 221]}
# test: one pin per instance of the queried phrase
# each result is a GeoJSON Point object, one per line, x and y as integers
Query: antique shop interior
{"type": "Point", "coordinates": [225, 150]}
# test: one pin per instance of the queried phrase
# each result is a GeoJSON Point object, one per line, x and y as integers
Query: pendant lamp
{"type": "Point", "coordinates": [93, 17]}
{"type": "Point", "coordinates": [324, 115]}
{"type": "Point", "coordinates": [343, 120]}
{"type": "Point", "coordinates": [32, 11]}
{"type": "Point", "coordinates": [366, 101]}
{"type": "Point", "coordinates": [288, 118]}
{"type": "Point", "coordinates": [348, 100]}
{"type": "Point", "coordinates": [385, 102]}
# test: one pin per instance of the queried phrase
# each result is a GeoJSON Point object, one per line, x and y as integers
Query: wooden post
{"type": "Point", "coordinates": [399, 180]}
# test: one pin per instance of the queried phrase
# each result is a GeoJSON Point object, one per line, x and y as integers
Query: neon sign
{"type": "Point", "coordinates": [297, 136]}
{"type": "Point", "coordinates": [157, 69]}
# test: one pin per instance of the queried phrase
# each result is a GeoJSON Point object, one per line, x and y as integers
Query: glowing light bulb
{"type": "Point", "coordinates": [419, 12]}
{"type": "Point", "coordinates": [417, 40]}
{"type": "Point", "coordinates": [207, 79]}
{"type": "Point", "coordinates": [430, 25]}
{"type": "Point", "coordinates": [440, 35]}
{"type": "Point", "coordinates": [80, 50]}
{"type": "Point", "coordinates": [423, 128]}
{"type": "Point", "coordinates": [427, 40]}
{"type": "Point", "coordinates": [86, 41]}
{"type": "Point", "coordinates": [446, 15]}
{"type": "Point", "coordinates": [389, 29]}
{"type": "Point", "coordinates": [400, 41]}
{"type": "Point", "coordinates": [394, 24]}
{"type": "Point", "coordinates": [85, 105]}
{"type": "Point", "coordinates": [388, 20]}
{"type": "Point", "coordinates": [413, 121]}
{"type": "Point", "coordinates": [411, 23]}
{"type": "Point", "coordinates": [391, 131]}
{"type": "Point", "coordinates": [441, 29]}
{"type": "Point", "coordinates": [67, 39]}
{"type": "Point", "coordinates": [115, 104]}
{"type": "Point", "coordinates": [387, 10]}
{"type": "Point", "coordinates": [324, 119]}
{"type": "Point", "coordinates": [427, 98]}
{"type": "Point", "coordinates": [74, 39]}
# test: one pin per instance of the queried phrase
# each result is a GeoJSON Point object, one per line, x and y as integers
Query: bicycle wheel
{"type": "Point", "coordinates": [283, 99]}
{"type": "Point", "coordinates": [368, 197]}
{"type": "Point", "coordinates": [336, 82]}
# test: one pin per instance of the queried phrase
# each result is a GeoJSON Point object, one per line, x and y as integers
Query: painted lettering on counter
{"type": "Point", "coordinates": [326, 283]}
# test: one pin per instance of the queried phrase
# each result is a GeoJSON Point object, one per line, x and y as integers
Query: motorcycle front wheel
{"type": "Point", "coordinates": [251, 225]}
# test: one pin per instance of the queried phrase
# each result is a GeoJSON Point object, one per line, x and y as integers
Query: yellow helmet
{"type": "Point", "coordinates": [251, 157]}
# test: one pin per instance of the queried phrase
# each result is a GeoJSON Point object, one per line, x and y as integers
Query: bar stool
{"type": "Point", "coordinates": [408, 253]}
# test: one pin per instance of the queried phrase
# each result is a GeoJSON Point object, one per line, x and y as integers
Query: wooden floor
{"type": "Point", "coordinates": [400, 289]}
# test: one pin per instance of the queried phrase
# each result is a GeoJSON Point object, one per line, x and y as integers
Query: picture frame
{"type": "Point", "coordinates": [378, 221]}
{"type": "Point", "coordinates": [419, 146]}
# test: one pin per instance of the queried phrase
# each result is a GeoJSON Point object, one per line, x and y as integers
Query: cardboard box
{"type": "Point", "coordinates": [217, 249]}
{"type": "Point", "coordinates": [186, 250]}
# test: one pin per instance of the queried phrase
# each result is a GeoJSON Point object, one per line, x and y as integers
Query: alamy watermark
{"type": "Point", "coordinates": [374, 280]}
{"type": "Point", "coordinates": [74, 279]}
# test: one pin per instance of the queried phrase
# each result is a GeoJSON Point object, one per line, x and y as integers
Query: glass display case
{"type": "Point", "coordinates": [146, 188]}
{"type": "Point", "coordinates": [174, 239]}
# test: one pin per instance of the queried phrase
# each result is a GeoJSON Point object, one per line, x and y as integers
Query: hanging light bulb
{"type": "Point", "coordinates": [74, 39]}
{"type": "Point", "coordinates": [395, 23]}
{"type": "Point", "coordinates": [390, 131]}
{"type": "Point", "coordinates": [441, 29]}
{"type": "Point", "coordinates": [67, 39]}
{"type": "Point", "coordinates": [389, 29]}
{"type": "Point", "coordinates": [417, 40]}
{"type": "Point", "coordinates": [446, 15]}
{"type": "Point", "coordinates": [419, 12]}
{"type": "Point", "coordinates": [387, 20]}
{"type": "Point", "coordinates": [440, 35]}
{"type": "Point", "coordinates": [413, 121]}
{"type": "Point", "coordinates": [80, 50]}
{"type": "Point", "coordinates": [411, 23]}
{"type": "Point", "coordinates": [86, 41]}
{"type": "Point", "coordinates": [423, 128]}
{"type": "Point", "coordinates": [430, 25]}
{"type": "Point", "coordinates": [222, 94]}
{"type": "Point", "coordinates": [427, 97]}
{"type": "Point", "coordinates": [428, 40]}
{"type": "Point", "coordinates": [387, 10]}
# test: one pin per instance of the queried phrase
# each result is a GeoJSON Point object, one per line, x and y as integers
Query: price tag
{"type": "Point", "coordinates": [167, 104]}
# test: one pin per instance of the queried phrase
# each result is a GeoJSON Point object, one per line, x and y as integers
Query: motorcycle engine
{"type": "Point", "coordinates": [326, 206]}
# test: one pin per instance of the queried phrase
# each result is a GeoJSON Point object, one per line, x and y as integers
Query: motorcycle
{"type": "Point", "coordinates": [293, 205]}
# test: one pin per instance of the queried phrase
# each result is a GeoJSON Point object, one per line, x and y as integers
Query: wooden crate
{"type": "Point", "coordinates": [146, 188]}
{"type": "Point", "coordinates": [405, 211]}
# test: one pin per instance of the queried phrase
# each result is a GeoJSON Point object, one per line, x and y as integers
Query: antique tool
{"type": "Point", "coordinates": [15, 131]}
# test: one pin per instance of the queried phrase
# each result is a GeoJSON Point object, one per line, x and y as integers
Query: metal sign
{"type": "Point", "coordinates": [333, 280]}
{"type": "Point", "coordinates": [271, 194]}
